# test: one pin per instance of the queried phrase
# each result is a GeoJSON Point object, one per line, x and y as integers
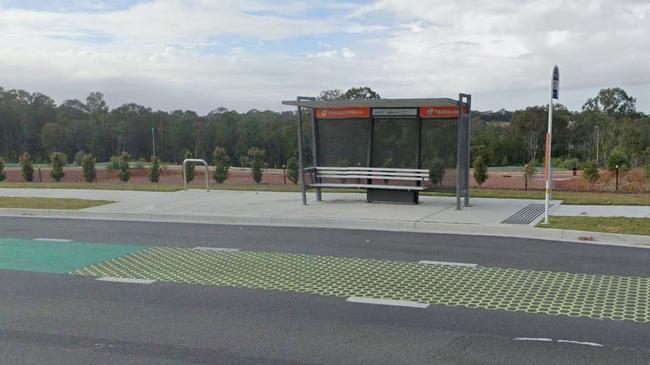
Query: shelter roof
{"type": "Point", "coordinates": [374, 103]}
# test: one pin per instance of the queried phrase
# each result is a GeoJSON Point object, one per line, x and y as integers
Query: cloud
{"type": "Point", "coordinates": [203, 54]}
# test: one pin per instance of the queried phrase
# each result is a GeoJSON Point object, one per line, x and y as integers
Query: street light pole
{"type": "Point", "coordinates": [153, 142]}
{"type": "Point", "coordinates": [597, 145]}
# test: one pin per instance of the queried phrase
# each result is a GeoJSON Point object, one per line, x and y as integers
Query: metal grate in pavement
{"type": "Point", "coordinates": [527, 214]}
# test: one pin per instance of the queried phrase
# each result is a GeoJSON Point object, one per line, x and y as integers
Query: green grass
{"type": "Point", "coordinates": [601, 224]}
{"type": "Point", "coordinates": [100, 186]}
{"type": "Point", "coordinates": [49, 203]}
{"type": "Point", "coordinates": [568, 197]}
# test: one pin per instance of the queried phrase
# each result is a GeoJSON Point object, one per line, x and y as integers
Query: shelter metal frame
{"type": "Point", "coordinates": [463, 105]}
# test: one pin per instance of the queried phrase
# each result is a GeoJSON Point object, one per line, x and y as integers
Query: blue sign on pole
{"type": "Point", "coordinates": [556, 83]}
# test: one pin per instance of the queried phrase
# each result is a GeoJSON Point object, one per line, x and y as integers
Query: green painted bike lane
{"type": "Point", "coordinates": [492, 288]}
{"type": "Point", "coordinates": [57, 257]}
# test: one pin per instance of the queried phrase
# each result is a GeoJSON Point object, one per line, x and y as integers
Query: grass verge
{"type": "Point", "coordinates": [601, 224]}
{"type": "Point", "coordinates": [100, 186]}
{"type": "Point", "coordinates": [49, 203]}
{"type": "Point", "coordinates": [568, 197]}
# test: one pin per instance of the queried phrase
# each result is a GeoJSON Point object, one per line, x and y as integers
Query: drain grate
{"type": "Point", "coordinates": [527, 214]}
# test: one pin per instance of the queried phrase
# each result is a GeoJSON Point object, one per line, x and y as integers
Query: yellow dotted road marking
{"type": "Point", "coordinates": [552, 293]}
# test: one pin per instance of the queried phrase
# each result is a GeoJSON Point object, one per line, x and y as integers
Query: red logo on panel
{"type": "Point", "coordinates": [441, 112]}
{"type": "Point", "coordinates": [343, 113]}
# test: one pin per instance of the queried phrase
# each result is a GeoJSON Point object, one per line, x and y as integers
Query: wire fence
{"type": "Point", "coordinates": [632, 181]}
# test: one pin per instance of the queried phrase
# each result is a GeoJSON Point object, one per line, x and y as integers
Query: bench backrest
{"type": "Point", "coordinates": [372, 173]}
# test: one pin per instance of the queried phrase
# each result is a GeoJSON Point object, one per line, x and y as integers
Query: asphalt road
{"type": "Point", "coordinates": [62, 319]}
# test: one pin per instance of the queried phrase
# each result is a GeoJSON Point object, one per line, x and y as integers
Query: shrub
{"type": "Point", "coordinates": [529, 172]}
{"type": "Point", "coordinates": [590, 171]}
{"type": "Point", "coordinates": [221, 162]}
{"type": "Point", "coordinates": [78, 158]}
{"type": "Point", "coordinates": [618, 157]}
{"type": "Point", "coordinates": [480, 170]}
{"type": "Point", "coordinates": [293, 170]}
{"type": "Point", "coordinates": [646, 168]}
{"type": "Point", "coordinates": [113, 163]}
{"type": "Point", "coordinates": [189, 167]}
{"type": "Point", "coordinates": [387, 164]}
{"type": "Point", "coordinates": [571, 163]}
{"type": "Point", "coordinates": [154, 174]}
{"type": "Point", "coordinates": [3, 175]}
{"type": "Point", "coordinates": [139, 164]}
{"type": "Point", "coordinates": [88, 168]}
{"type": "Point", "coordinates": [255, 159]}
{"type": "Point", "coordinates": [26, 167]}
{"type": "Point", "coordinates": [124, 173]}
{"type": "Point", "coordinates": [436, 171]}
{"type": "Point", "coordinates": [57, 161]}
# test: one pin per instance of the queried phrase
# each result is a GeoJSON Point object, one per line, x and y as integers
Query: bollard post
{"type": "Point", "coordinates": [616, 177]}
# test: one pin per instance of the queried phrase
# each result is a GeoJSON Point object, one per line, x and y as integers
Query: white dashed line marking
{"type": "Point", "coordinates": [225, 249]}
{"type": "Point", "coordinates": [398, 303]}
{"type": "Point", "coordinates": [538, 339]}
{"type": "Point", "coordinates": [52, 239]}
{"type": "Point", "coordinates": [581, 343]}
{"type": "Point", "coordinates": [545, 339]}
{"type": "Point", "coordinates": [126, 280]}
{"type": "Point", "coordinates": [447, 263]}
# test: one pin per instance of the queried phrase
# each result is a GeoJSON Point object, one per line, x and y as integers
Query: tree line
{"type": "Point", "coordinates": [608, 128]}
{"type": "Point", "coordinates": [34, 123]}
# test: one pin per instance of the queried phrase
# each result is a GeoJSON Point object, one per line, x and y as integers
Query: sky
{"type": "Point", "coordinates": [239, 54]}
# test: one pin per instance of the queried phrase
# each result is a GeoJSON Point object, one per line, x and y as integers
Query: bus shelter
{"type": "Point", "coordinates": [392, 148]}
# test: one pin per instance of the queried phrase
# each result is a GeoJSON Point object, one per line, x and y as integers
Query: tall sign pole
{"type": "Point", "coordinates": [153, 142]}
{"type": "Point", "coordinates": [548, 170]}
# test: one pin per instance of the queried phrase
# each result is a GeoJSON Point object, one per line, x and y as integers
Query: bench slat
{"type": "Point", "coordinates": [374, 173]}
{"type": "Point", "coordinates": [373, 177]}
{"type": "Point", "coordinates": [367, 186]}
{"type": "Point", "coordinates": [371, 169]}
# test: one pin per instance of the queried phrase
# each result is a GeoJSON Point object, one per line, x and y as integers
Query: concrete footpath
{"type": "Point", "coordinates": [337, 210]}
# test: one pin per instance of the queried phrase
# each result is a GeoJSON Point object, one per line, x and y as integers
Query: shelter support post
{"type": "Point", "coordinates": [314, 147]}
{"type": "Point", "coordinates": [467, 129]}
{"type": "Point", "coordinates": [300, 158]}
{"type": "Point", "coordinates": [459, 156]}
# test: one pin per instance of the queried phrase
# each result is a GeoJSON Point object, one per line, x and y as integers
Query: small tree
{"type": "Point", "coordinates": [480, 170]}
{"type": "Point", "coordinates": [221, 162]}
{"type": "Point", "coordinates": [124, 173]}
{"type": "Point", "coordinates": [618, 158]}
{"type": "Point", "coordinates": [388, 163]}
{"type": "Point", "coordinates": [293, 170]}
{"type": "Point", "coordinates": [590, 171]}
{"type": "Point", "coordinates": [88, 168]}
{"type": "Point", "coordinates": [436, 171]}
{"type": "Point", "coordinates": [529, 172]}
{"type": "Point", "coordinates": [189, 167]}
{"type": "Point", "coordinates": [113, 163]}
{"type": "Point", "coordinates": [2, 169]}
{"type": "Point", "coordinates": [78, 157]}
{"type": "Point", "coordinates": [57, 161]}
{"type": "Point", "coordinates": [26, 167]}
{"type": "Point", "coordinates": [255, 159]}
{"type": "Point", "coordinates": [154, 174]}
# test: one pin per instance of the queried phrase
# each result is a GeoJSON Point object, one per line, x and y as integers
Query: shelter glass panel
{"type": "Point", "coordinates": [395, 143]}
{"type": "Point", "coordinates": [439, 149]}
{"type": "Point", "coordinates": [343, 142]}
